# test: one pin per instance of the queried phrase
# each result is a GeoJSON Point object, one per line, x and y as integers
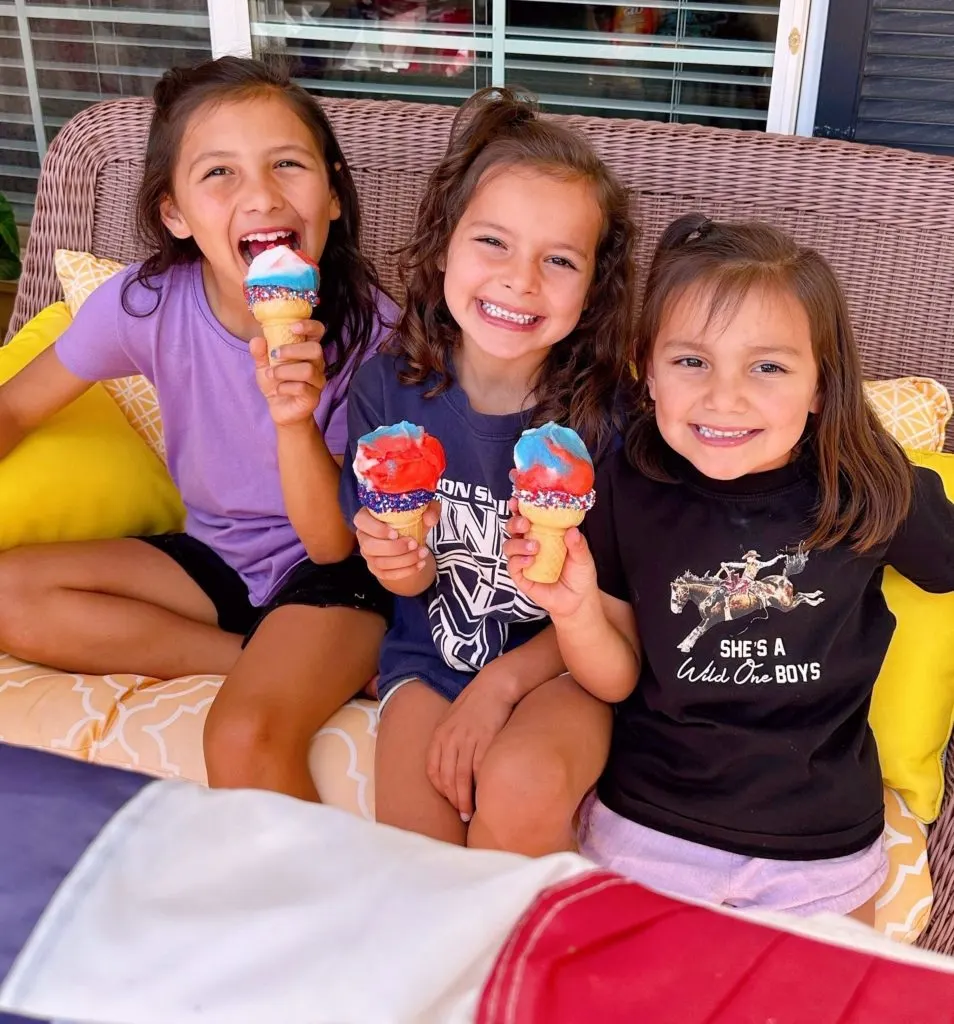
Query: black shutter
{"type": "Point", "coordinates": [888, 74]}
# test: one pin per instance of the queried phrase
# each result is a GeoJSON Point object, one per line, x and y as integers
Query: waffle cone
{"type": "Point", "coordinates": [548, 527]}
{"type": "Point", "coordinates": [277, 317]}
{"type": "Point", "coordinates": [408, 524]}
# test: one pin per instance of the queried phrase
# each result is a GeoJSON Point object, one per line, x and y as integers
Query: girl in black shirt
{"type": "Point", "coordinates": [748, 518]}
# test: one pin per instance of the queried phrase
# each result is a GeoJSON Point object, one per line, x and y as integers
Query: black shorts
{"type": "Point", "coordinates": [347, 584]}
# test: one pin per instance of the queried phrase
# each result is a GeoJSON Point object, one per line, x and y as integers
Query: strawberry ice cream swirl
{"type": "Point", "coordinates": [556, 499]}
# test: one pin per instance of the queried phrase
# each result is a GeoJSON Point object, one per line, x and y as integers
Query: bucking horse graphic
{"type": "Point", "coordinates": [735, 590]}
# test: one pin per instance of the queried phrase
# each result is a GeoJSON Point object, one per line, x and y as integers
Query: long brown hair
{"type": "Point", "coordinates": [348, 280]}
{"type": "Point", "coordinates": [865, 478]}
{"type": "Point", "coordinates": [584, 380]}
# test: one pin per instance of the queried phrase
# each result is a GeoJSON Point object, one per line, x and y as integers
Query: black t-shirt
{"type": "Point", "coordinates": [748, 729]}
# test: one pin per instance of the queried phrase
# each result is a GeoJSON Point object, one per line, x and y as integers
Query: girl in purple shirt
{"type": "Point", "coordinates": [263, 586]}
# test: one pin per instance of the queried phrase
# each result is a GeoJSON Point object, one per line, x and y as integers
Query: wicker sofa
{"type": "Point", "coordinates": [884, 218]}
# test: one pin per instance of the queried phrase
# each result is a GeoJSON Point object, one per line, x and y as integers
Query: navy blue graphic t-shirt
{"type": "Point", "coordinates": [472, 612]}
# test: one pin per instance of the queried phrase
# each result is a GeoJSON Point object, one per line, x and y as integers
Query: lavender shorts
{"type": "Point", "coordinates": [678, 867]}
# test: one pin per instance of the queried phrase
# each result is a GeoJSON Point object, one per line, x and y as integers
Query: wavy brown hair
{"type": "Point", "coordinates": [584, 381]}
{"type": "Point", "coordinates": [347, 281]}
{"type": "Point", "coordinates": [865, 479]}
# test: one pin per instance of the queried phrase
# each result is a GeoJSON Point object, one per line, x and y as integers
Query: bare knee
{"type": "Point", "coordinates": [244, 742]}
{"type": "Point", "coordinates": [526, 800]}
{"type": "Point", "coordinates": [21, 599]}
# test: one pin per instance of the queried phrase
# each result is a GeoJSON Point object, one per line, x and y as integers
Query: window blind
{"type": "Point", "coordinates": [59, 56]}
{"type": "Point", "coordinates": [907, 85]}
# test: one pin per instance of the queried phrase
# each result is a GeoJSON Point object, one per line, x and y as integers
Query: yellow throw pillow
{"type": "Point", "coordinates": [80, 274]}
{"type": "Point", "coordinates": [83, 474]}
{"type": "Point", "coordinates": [912, 709]}
{"type": "Point", "coordinates": [914, 410]}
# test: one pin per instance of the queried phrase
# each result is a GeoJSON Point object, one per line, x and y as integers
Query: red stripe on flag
{"type": "Point", "coordinates": [600, 950]}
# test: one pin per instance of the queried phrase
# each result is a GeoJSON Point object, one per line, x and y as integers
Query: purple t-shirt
{"type": "Point", "coordinates": [219, 435]}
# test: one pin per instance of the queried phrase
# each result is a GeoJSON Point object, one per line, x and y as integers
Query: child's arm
{"type": "Point", "coordinates": [308, 471]}
{"type": "Point", "coordinates": [310, 475]}
{"type": "Point", "coordinates": [600, 645]}
{"type": "Point", "coordinates": [522, 669]}
{"type": "Point", "coordinates": [40, 389]}
{"type": "Point", "coordinates": [923, 548]}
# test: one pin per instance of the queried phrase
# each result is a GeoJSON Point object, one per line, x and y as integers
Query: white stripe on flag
{"type": "Point", "coordinates": [235, 906]}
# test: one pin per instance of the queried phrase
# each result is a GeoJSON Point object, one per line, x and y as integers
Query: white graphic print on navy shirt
{"type": "Point", "coordinates": [474, 599]}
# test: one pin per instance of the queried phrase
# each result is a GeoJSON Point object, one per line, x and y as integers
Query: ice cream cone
{"type": "Point", "coordinates": [277, 317]}
{"type": "Point", "coordinates": [397, 468]}
{"type": "Point", "coordinates": [408, 524]}
{"type": "Point", "coordinates": [548, 527]}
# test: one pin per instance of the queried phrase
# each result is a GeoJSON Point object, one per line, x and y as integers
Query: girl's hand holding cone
{"type": "Point", "coordinates": [293, 379]}
{"type": "Point", "coordinates": [577, 581]}
{"type": "Point", "coordinates": [389, 556]}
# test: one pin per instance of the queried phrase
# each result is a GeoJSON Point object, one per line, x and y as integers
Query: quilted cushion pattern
{"type": "Point", "coordinates": [156, 727]}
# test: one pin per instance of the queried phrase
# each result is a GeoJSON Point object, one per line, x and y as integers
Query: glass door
{"type": "Point", "coordinates": [700, 61]}
{"type": "Point", "coordinates": [422, 50]}
{"type": "Point", "coordinates": [59, 56]}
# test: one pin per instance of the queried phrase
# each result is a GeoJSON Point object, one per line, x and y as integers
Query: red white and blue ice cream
{"type": "Point", "coordinates": [281, 289]}
{"type": "Point", "coordinates": [553, 469]}
{"type": "Point", "coordinates": [398, 469]}
{"type": "Point", "coordinates": [553, 484]}
{"type": "Point", "coordinates": [281, 273]}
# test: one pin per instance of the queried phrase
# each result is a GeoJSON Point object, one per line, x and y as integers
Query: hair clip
{"type": "Point", "coordinates": [700, 232]}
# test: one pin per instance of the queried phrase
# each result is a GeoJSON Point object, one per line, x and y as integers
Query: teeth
{"type": "Point", "coordinates": [505, 314]}
{"type": "Point", "coordinates": [711, 432]}
{"type": "Point", "coordinates": [266, 236]}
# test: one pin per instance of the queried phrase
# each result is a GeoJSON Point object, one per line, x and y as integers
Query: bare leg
{"type": "Point", "coordinates": [301, 665]}
{"type": "Point", "coordinates": [404, 796]}
{"type": "Point", "coordinates": [865, 913]}
{"type": "Point", "coordinates": [109, 606]}
{"type": "Point", "coordinates": [538, 770]}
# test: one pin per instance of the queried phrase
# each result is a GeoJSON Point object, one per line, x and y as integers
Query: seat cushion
{"type": "Point", "coordinates": [155, 726]}
{"type": "Point", "coordinates": [914, 410]}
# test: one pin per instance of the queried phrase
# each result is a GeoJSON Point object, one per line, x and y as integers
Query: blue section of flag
{"type": "Point", "coordinates": [51, 809]}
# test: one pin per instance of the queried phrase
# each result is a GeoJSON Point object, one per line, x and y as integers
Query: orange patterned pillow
{"type": "Point", "coordinates": [914, 410]}
{"type": "Point", "coordinates": [80, 274]}
{"type": "Point", "coordinates": [903, 906]}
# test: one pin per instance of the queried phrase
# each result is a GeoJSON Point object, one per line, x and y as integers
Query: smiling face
{"type": "Point", "coordinates": [520, 263]}
{"type": "Point", "coordinates": [249, 174]}
{"type": "Point", "coordinates": [733, 393]}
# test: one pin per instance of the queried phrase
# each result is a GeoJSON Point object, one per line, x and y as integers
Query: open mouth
{"type": "Point", "coordinates": [256, 242]}
{"type": "Point", "coordinates": [508, 316]}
